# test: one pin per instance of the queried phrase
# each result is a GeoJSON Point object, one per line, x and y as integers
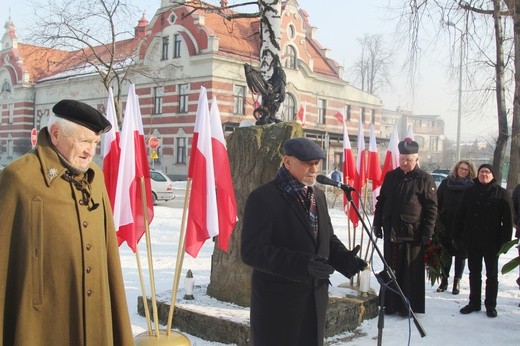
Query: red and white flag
{"type": "Point", "coordinates": [392, 154]}
{"type": "Point", "coordinates": [409, 133]}
{"type": "Point", "coordinates": [202, 215]}
{"type": "Point", "coordinates": [374, 167]}
{"type": "Point", "coordinates": [226, 203]}
{"type": "Point", "coordinates": [302, 113]}
{"type": "Point", "coordinates": [361, 176]}
{"type": "Point", "coordinates": [129, 214]}
{"type": "Point", "coordinates": [111, 150]}
{"type": "Point", "coordinates": [340, 118]}
{"type": "Point", "coordinates": [258, 102]}
{"type": "Point", "coordinates": [349, 165]}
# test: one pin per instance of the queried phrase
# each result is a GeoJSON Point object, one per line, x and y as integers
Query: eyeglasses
{"type": "Point", "coordinates": [463, 169]}
{"type": "Point", "coordinates": [485, 171]}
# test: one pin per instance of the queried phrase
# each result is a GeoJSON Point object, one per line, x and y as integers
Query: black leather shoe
{"type": "Point", "coordinates": [468, 309]}
{"type": "Point", "coordinates": [443, 286]}
{"type": "Point", "coordinates": [456, 287]}
{"type": "Point", "coordinates": [491, 312]}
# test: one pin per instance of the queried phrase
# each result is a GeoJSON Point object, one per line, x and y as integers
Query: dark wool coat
{"type": "Point", "coordinates": [484, 217]}
{"type": "Point", "coordinates": [406, 210]}
{"type": "Point", "coordinates": [449, 195]}
{"type": "Point", "coordinates": [287, 306]}
{"type": "Point", "coordinates": [60, 274]}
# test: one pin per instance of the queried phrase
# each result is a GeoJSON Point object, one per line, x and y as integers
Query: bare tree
{"type": "Point", "coordinates": [371, 71]}
{"type": "Point", "coordinates": [88, 32]}
{"type": "Point", "coordinates": [474, 19]}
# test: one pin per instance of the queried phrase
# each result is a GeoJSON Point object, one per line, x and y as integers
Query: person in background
{"type": "Point", "coordinates": [405, 215]}
{"type": "Point", "coordinates": [482, 224]}
{"type": "Point", "coordinates": [336, 175]}
{"type": "Point", "coordinates": [288, 240]}
{"type": "Point", "coordinates": [60, 274]}
{"type": "Point", "coordinates": [516, 210]}
{"type": "Point", "coordinates": [448, 198]}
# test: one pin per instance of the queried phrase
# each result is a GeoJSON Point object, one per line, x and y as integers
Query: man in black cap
{"type": "Point", "coordinates": [405, 213]}
{"type": "Point", "coordinates": [483, 223]}
{"type": "Point", "coordinates": [287, 238]}
{"type": "Point", "coordinates": [60, 273]}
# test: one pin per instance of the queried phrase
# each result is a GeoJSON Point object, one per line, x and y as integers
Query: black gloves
{"type": "Point", "coordinates": [425, 239]}
{"type": "Point", "coordinates": [354, 264]}
{"type": "Point", "coordinates": [378, 231]}
{"type": "Point", "coordinates": [318, 267]}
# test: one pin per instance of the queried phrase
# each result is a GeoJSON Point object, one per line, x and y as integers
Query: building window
{"type": "Point", "coordinates": [11, 113]}
{"type": "Point", "coordinates": [177, 46]}
{"type": "Point", "coordinates": [183, 98]}
{"type": "Point", "coordinates": [165, 45]}
{"type": "Point", "coordinates": [349, 112]}
{"type": "Point", "coordinates": [10, 145]}
{"type": "Point", "coordinates": [289, 108]}
{"type": "Point", "coordinates": [291, 32]}
{"type": "Point", "coordinates": [239, 100]}
{"type": "Point", "coordinates": [181, 149]}
{"type": "Point", "coordinates": [373, 117]}
{"type": "Point", "coordinates": [158, 93]}
{"type": "Point", "coordinates": [6, 87]}
{"type": "Point", "coordinates": [322, 110]}
{"type": "Point", "coordinates": [363, 115]}
{"type": "Point", "coordinates": [290, 61]}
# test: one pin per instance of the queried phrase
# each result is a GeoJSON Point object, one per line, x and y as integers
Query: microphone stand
{"type": "Point", "coordinates": [384, 278]}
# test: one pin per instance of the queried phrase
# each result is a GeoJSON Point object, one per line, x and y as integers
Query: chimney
{"type": "Point", "coordinates": [223, 3]}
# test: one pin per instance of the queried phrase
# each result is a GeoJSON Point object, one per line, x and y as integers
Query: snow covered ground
{"type": "Point", "coordinates": [442, 322]}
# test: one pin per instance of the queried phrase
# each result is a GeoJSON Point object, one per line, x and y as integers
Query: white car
{"type": "Point", "coordinates": [162, 186]}
{"type": "Point", "coordinates": [438, 178]}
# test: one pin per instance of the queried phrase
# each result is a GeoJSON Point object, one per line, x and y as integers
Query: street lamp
{"type": "Point", "coordinates": [459, 111]}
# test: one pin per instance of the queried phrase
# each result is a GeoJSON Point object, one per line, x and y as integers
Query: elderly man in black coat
{"type": "Point", "coordinates": [288, 239]}
{"type": "Point", "coordinates": [483, 223]}
{"type": "Point", "coordinates": [406, 210]}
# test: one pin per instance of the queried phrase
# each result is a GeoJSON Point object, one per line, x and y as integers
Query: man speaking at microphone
{"type": "Point", "coordinates": [288, 240]}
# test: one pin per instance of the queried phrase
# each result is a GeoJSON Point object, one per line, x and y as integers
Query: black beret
{"type": "Point", "coordinates": [408, 146]}
{"type": "Point", "coordinates": [488, 166]}
{"type": "Point", "coordinates": [83, 114]}
{"type": "Point", "coordinates": [303, 149]}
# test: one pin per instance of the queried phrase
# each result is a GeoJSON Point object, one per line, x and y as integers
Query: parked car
{"type": "Point", "coordinates": [438, 177]}
{"type": "Point", "coordinates": [162, 186]}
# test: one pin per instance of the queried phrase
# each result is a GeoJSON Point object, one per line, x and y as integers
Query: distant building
{"type": "Point", "coordinates": [181, 50]}
{"type": "Point", "coordinates": [428, 132]}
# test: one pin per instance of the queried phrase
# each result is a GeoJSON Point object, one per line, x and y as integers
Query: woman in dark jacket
{"type": "Point", "coordinates": [483, 223]}
{"type": "Point", "coordinates": [448, 198]}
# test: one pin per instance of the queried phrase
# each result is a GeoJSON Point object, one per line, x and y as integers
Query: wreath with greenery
{"type": "Point", "coordinates": [436, 255]}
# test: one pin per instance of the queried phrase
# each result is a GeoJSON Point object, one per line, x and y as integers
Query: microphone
{"type": "Point", "coordinates": [327, 181]}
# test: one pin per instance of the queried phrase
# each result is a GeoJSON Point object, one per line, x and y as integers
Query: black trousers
{"type": "Point", "coordinates": [490, 258]}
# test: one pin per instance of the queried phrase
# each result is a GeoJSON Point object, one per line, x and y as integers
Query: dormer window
{"type": "Point", "coordinates": [172, 18]}
{"type": "Point", "coordinates": [6, 87]}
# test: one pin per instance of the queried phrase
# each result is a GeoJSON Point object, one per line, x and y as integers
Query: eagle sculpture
{"type": "Point", "coordinates": [272, 91]}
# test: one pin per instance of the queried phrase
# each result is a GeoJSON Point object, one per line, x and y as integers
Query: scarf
{"type": "Point", "coordinates": [303, 195]}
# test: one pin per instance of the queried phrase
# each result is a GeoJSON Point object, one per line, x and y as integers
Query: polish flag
{"type": "Point", "coordinates": [361, 177]}
{"type": "Point", "coordinates": [409, 133]}
{"type": "Point", "coordinates": [129, 215]}
{"type": "Point", "coordinates": [349, 165]}
{"type": "Point", "coordinates": [111, 150]}
{"type": "Point", "coordinates": [258, 102]}
{"type": "Point", "coordinates": [226, 203]}
{"type": "Point", "coordinates": [302, 113]}
{"type": "Point", "coordinates": [202, 215]}
{"type": "Point", "coordinates": [374, 168]}
{"type": "Point", "coordinates": [392, 154]}
{"type": "Point", "coordinates": [340, 118]}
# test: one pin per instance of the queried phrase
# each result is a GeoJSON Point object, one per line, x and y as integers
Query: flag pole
{"type": "Point", "coordinates": [149, 255]}
{"type": "Point", "coordinates": [143, 290]}
{"type": "Point", "coordinates": [180, 258]}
